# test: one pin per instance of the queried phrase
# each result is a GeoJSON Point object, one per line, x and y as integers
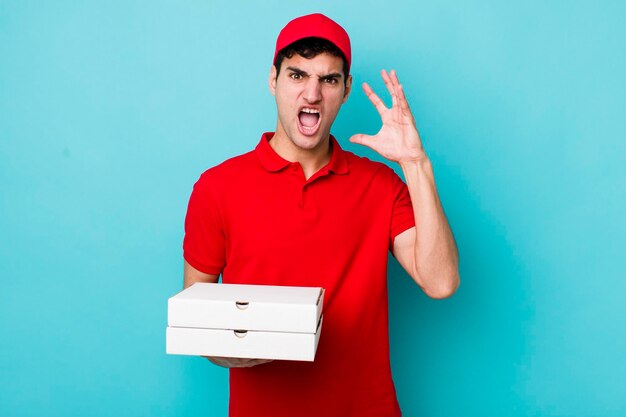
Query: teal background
{"type": "Point", "coordinates": [109, 111]}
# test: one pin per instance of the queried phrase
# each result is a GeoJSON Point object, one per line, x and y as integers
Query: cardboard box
{"type": "Point", "coordinates": [243, 344]}
{"type": "Point", "coordinates": [245, 321]}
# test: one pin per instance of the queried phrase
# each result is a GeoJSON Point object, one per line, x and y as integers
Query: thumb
{"type": "Point", "coordinates": [362, 139]}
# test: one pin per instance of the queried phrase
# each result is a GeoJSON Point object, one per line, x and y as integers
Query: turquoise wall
{"type": "Point", "coordinates": [109, 111]}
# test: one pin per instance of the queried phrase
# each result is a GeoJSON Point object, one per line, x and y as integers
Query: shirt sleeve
{"type": "Point", "coordinates": [402, 217]}
{"type": "Point", "coordinates": [204, 241]}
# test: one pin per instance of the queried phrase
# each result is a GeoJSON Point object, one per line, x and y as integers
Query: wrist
{"type": "Point", "coordinates": [420, 160]}
{"type": "Point", "coordinates": [417, 170]}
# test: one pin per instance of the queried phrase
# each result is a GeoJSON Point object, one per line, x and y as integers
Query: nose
{"type": "Point", "coordinates": [312, 90]}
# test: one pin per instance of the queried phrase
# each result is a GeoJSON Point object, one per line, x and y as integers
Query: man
{"type": "Point", "coordinates": [298, 210]}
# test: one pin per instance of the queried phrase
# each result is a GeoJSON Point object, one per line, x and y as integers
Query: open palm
{"type": "Point", "coordinates": [398, 139]}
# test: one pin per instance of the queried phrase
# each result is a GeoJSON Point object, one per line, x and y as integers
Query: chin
{"type": "Point", "coordinates": [308, 142]}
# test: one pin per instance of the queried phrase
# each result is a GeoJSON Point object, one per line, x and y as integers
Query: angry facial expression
{"type": "Point", "coordinates": [309, 94]}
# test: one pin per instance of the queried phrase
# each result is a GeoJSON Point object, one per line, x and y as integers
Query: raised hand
{"type": "Point", "coordinates": [398, 139]}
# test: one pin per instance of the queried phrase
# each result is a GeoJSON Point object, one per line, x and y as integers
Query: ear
{"type": "Point", "coordinates": [348, 89]}
{"type": "Point", "coordinates": [272, 80]}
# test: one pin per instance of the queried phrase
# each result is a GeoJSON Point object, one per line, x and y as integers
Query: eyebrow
{"type": "Point", "coordinates": [332, 75]}
{"type": "Point", "coordinates": [306, 74]}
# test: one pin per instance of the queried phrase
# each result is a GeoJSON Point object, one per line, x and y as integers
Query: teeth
{"type": "Point", "coordinates": [306, 110]}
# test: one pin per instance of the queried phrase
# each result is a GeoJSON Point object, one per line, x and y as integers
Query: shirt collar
{"type": "Point", "coordinates": [273, 162]}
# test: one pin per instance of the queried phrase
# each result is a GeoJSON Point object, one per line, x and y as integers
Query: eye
{"type": "Point", "coordinates": [295, 76]}
{"type": "Point", "coordinates": [331, 80]}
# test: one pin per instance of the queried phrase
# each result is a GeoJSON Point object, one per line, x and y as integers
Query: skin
{"type": "Point", "coordinates": [314, 83]}
{"type": "Point", "coordinates": [428, 251]}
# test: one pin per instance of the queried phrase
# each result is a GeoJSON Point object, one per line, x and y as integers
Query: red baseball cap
{"type": "Point", "coordinates": [314, 26]}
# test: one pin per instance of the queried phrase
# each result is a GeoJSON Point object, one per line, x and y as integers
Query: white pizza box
{"type": "Point", "coordinates": [243, 344]}
{"type": "Point", "coordinates": [247, 307]}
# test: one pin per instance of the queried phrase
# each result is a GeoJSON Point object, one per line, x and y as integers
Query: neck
{"type": "Point", "coordinates": [311, 160]}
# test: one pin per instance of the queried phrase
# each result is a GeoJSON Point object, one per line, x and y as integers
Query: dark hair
{"type": "Point", "coordinates": [310, 48]}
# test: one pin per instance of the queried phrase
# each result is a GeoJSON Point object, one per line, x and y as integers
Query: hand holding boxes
{"type": "Point", "coordinates": [245, 321]}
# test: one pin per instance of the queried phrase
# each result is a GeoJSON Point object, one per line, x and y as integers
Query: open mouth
{"type": "Point", "coordinates": [309, 121]}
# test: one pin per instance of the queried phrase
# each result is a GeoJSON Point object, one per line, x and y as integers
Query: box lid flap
{"type": "Point", "coordinates": [247, 307]}
{"type": "Point", "coordinates": [250, 293]}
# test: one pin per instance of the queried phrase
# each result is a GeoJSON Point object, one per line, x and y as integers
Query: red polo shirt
{"type": "Point", "coordinates": [255, 219]}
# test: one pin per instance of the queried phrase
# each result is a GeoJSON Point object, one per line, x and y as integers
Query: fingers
{"type": "Point", "coordinates": [236, 362]}
{"type": "Point", "coordinates": [399, 91]}
{"type": "Point", "coordinates": [403, 103]}
{"type": "Point", "coordinates": [399, 105]}
{"type": "Point", "coordinates": [400, 109]}
{"type": "Point", "coordinates": [391, 86]}
{"type": "Point", "coordinates": [376, 101]}
{"type": "Point", "coordinates": [254, 362]}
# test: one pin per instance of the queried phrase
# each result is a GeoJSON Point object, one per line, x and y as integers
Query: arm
{"type": "Point", "coordinates": [427, 251]}
{"type": "Point", "coordinates": [191, 276]}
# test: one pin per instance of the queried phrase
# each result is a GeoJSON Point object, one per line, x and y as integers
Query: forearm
{"type": "Point", "coordinates": [435, 253]}
{"type": "Point", "coordinates": [191, 275]}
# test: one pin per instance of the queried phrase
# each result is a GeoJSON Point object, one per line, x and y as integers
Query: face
{"type": "Point", "coordinates": [309, 94]}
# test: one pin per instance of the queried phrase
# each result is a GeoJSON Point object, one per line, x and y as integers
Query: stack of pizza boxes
{"type": "Point", "coordinates": [245, 321]}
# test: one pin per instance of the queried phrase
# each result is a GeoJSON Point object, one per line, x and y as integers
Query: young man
{"type": "Point", "coordinates": [298, 210]}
